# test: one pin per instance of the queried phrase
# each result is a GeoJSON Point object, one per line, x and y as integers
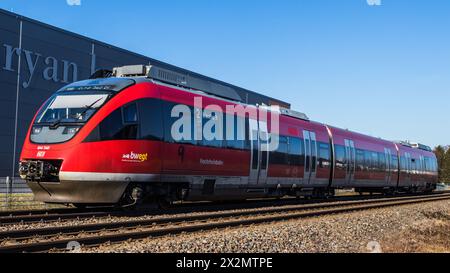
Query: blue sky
{"type": "Point", "coordinates": [382, 70]}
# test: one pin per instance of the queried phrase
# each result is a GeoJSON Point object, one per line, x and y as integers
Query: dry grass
{"type": "Point", "coordinates": [20, 202]}
{"type": "Point", "coordinates": [429, 236]}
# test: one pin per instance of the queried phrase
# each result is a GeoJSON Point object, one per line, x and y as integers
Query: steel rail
{"type": "Point", "coordinates": [98, 227]}
{"type": "Point", "coordinates": [203, 222]}
{"type": "Point", "coordinates": [56, 215]}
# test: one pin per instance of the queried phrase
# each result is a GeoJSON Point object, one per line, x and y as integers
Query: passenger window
{"type": "Point", "coordinates": [382, 161]}
{"type": "Point", "coordinates": [324, 154]}
{"type": "Point", "coordinates": [360, 159]}
{"type": "Point", "coordinates": [150, 116]}
{"type": "Point", "coordinates": [169, 121]}
{"type": "Point", "coordinates": [368, 160]}
{"type": "Point", "coordinates": [280, 156]}
{"type": "Point", "coordinates": [375, 164]}
{"type": "Point", "coordinates": [340, 156]}
{"type": "Point", "coordinates": [216, 130]}
{"type": "Point", "coordinates": [295, 151]}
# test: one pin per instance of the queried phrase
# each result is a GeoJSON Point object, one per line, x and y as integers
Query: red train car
{"type": "Point", "coordinates": [112, 141]}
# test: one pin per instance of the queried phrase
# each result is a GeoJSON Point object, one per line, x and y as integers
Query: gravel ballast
{"type": "Point", "coordinates": [410, 228]}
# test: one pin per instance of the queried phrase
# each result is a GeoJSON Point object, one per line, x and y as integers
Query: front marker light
{"type": "Point", "coordinates": [71, 130]}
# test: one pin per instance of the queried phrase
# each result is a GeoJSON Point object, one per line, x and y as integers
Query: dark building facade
{"type": "Point", "coordinates": [37, 59]}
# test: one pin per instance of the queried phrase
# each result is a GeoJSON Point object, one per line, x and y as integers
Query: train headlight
{"type": "Point", "coordinates": [71, 130]}
{"type": "Point", "coordinates": [23, 170]}
{"type": "Point", "coordinates": [36, 130]}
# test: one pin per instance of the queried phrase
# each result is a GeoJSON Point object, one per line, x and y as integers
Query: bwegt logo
{"type": "Point", "coordinates": [224, 124]}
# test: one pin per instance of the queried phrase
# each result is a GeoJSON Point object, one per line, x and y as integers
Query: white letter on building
{"type": "Point", "coordinates": [31, 66]}
{"type": "Point", "coordinates": [51, 72]}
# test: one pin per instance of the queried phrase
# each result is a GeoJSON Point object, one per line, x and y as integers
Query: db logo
{"type": "Point", "coordinates": [40, 154]}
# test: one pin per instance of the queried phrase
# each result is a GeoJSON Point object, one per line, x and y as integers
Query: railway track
{"type": "Point", "coordinates": [46, 239]}
{"type": "Point", "coordinates": [64, 214]}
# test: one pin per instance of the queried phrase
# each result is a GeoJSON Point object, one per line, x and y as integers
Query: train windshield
{"type": "Point", "coordinates": [64, 115]}
{"type": "Point", "coordinates": [71, 108]}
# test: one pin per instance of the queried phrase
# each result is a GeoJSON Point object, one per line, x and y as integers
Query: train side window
{"type": "Point", "coordinates": [150, 116]}
{"type": "Point", "coordinates": [394, 162]}
{"type": "Point", "coordinates": [375, 163]}
{"type": "Point", "coordinates": [382, 162]}
{"type": "Point", "coordinates": [295, 151]}
{"type": "Point", "coordinates": [237, 141]}
{"type": "Point", "coordinates": [280, 156]}
{"type": "Point", "coordinates": [324, 155]}
{"type": "Point", "coordinates": [368, 160]}
{"type": "Point", "coordinates": [360, 159]}
{"type": "Point", "coordinates": [340, 156]}
{"type": "Point", "coordinates": [169, 122]}
{"type": "Point", "coordinates": [216, 132]}
{"type": "Point", "coordinates": [402, 163]}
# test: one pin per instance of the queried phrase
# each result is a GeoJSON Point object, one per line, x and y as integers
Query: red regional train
{"type": "Point", "coordinates": [110, 140]}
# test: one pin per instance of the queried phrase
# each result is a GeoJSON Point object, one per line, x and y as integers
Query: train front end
{"type": "Point", "coordinates": [61, 160]}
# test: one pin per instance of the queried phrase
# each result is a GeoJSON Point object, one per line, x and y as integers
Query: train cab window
{"type": "Point", "coordinates": [130, 128]}
{"type": "Point", "coordinates": [130, 114]}
{"type": "Point", "coordinates": [113, 128]}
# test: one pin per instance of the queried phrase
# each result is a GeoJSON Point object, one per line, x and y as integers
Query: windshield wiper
{"type": "Point", "coordinates": [55, 125]}
{"type": "Point", "coordinates": [89, 107]}
{"type": "Point", "coordinates": [86, 108]}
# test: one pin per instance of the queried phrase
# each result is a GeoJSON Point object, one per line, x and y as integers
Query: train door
{"type": "Point", "coordinates": [350, 162]}
{"type": "Point", "coordinates": [310, 156]}
{"type": "Point", "coordinates": [388, 155]}
{"type": "Point", "coordinates": [264, 152]}
{"type": "Point", "coordinates": [254, 150]}
{"type": "Point", "coordinates": [259, 147]}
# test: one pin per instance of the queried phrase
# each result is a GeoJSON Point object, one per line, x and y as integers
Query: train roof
{"type": "Point", "coordinates": [188, 79]}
